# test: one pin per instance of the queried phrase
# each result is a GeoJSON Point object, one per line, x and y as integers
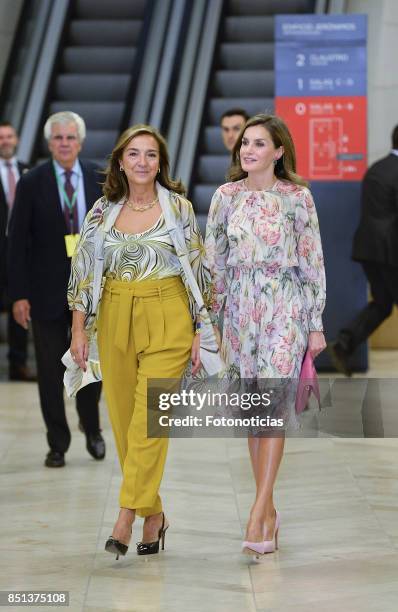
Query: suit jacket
{"type": "Point", "coordinates": [376, 238]}
{"type": "Point", "coordinates": [38, 267]}
{"type": "Point", "coordinates": [3, 228]}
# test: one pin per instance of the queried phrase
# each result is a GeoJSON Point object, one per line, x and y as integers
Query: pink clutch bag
{"type": "Point", "coordinates": [307, 384]}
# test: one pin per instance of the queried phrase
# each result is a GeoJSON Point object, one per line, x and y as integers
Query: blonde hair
{"type": "Point", "coordinates": [285, 167]}
{"type": "Point", "coordinates": [116, 184]}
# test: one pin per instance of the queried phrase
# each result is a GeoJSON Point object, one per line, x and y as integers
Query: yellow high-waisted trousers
{"type": "Point", "coordinates": [145, 331]}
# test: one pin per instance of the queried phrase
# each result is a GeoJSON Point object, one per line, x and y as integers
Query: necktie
{"type": "Point", "coordinates": [12, 184]}
{"type": "Point", "coordinates": [72, 225]}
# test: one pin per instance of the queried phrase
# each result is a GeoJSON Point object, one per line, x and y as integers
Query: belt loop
{"type": "Point", "coordinates": [160, 293]}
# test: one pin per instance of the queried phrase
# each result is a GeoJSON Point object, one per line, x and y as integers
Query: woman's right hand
{"type": "Point", "coordinates": [79, 348]}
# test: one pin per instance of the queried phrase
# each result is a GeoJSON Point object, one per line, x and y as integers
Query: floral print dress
{"type": "Point", "coordinates": [265, 256]}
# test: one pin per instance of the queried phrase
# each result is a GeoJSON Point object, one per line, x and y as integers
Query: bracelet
{"type": "Point", "coordinates": [198, 327]}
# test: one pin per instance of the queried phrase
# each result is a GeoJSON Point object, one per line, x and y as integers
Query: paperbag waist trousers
{"type": "Point", "coordinates": [145, 331]}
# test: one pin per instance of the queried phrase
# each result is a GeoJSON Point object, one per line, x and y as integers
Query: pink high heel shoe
{"type": "Point", "coordinates": [267, 546]}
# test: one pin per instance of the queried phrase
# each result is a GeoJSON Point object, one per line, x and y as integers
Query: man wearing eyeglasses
{"type": "Point", "coordinates": [50, 205]}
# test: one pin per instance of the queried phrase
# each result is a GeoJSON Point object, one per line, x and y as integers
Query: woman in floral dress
{"type": "Point", "coordinates": [265, 256]}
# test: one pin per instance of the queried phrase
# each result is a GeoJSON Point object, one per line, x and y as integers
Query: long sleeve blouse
{"type": "Point", "coordinates": [284, 232]}
{"type": "Point", "coordinates": [80, 289]}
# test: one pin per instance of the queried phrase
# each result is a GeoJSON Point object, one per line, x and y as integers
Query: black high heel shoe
{"type": "Point", "coordinates": [115, 547]}
{"type": "Point", "coordinates": [151, 548]}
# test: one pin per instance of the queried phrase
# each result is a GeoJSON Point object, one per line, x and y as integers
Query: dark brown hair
{"type": "Point", "coordinates": [115, 186]}
{"type": "Point", "coordinates": [231, 112]}
{"type": "Point", "coordinates": [281, 137]}
{"type": "Point", "coordinates": [7, 124]}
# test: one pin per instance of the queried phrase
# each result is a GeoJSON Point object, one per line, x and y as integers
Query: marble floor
{"type": "Point", "coordinates": [338, 499]}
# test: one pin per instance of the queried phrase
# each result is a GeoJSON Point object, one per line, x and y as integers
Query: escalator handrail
{"type": "Point", "coordinates": [193, 119]}
{"type": "Point", "coordinates": [24, 88]}
{"type": "Point", "coordinates": [38, 94]}
{"type": "Point", "coordinates": [167, 63]}
{"type": "Point", "coordinates": [148, 75]}
{"type": "Point", "coordinates": [183, 89]}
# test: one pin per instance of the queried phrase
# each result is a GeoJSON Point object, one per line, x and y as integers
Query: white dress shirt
{"type": "Point", "coordinates": [4, 172]}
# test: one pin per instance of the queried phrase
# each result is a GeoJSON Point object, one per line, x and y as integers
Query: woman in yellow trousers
{"type": "Point", "coordinates": [138, 339]}
{"type": "Point", "coordinates": [147, 323]}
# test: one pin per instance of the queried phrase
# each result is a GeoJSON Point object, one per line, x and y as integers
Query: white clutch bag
{"type": "Point", "coordinates": [75, 378]}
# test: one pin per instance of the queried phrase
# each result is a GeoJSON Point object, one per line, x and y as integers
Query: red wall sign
{"type": "Point", "coordinates": [329, 135]}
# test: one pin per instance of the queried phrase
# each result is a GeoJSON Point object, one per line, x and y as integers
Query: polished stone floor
{"type": "Point", "coordinates": [338, 499]}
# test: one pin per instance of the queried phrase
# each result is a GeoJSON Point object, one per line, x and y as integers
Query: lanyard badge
{"type": "Point", "coordinates": [72, 239]}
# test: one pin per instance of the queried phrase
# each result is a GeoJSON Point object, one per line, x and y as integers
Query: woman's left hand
{"type": "Point", "coordinates": [195, 354]}
{"type": "Point", "coordinates": [316, 343]}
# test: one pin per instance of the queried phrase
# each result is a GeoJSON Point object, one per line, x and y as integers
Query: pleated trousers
{"type": "Point", "coordinates": [145, 331]}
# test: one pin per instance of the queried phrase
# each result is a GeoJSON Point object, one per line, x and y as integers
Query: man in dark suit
{"type": "Point", "coordinates": [376, 248]}
{"type": "Point", "coordinates": [50, 205]}
{"type": "Point", "coordinates": [10, 172]}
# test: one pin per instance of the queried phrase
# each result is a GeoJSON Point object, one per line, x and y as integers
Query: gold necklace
{"type": "Point", "coordinates": [143, 207]}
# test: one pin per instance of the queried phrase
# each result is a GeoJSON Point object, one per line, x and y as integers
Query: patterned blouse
{"type": "Point", "coordinates": [272, 229]}
{"type": "Point", "coordinates": [145, 255]}
{"type": "Point", "coordinates": [121, 246]}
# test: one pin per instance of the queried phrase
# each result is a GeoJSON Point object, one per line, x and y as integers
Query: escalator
{"type": "Point", "coordinates": [243, 76]}
{"type": "Point", "coordinates": [84, 56]}
{"type": "Point", "coordinates": [98, 62]}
